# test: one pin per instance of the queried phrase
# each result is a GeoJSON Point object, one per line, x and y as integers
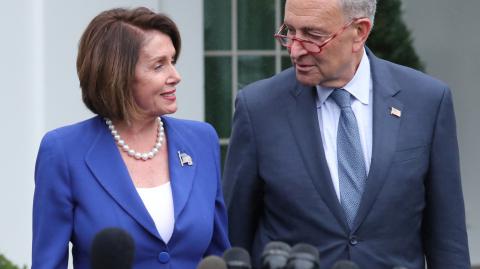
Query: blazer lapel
{"type": "Point", "coordinates": [105, 162]}
{"type": "Point", "coordinates": [385, 130]}
{"type": "Point", "coordinates": [181, 177]}
{"type": "Point", "coordinates": [303, 119]}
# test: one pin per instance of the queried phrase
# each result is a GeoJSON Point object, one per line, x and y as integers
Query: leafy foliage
{"type": "Point", "coordinates": [390, 38]}
{"type": "Point", "coordinates": [6, 264]}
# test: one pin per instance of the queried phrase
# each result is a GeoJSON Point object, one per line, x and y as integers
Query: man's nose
{"type": "Point", "coordinates": [297, 49]}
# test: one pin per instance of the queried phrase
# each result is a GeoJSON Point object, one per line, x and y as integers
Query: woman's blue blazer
{"type": "Point", "coordinates": [82, 186]}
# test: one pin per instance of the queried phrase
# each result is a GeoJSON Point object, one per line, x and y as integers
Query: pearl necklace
{"type": "Point", "coordinates": [132, 153]}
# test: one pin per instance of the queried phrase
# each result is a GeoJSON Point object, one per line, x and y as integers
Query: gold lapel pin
{"type": "Point", "coordinates": [395, 112]}
{"type": "Point", "coordinates": [185, 159]}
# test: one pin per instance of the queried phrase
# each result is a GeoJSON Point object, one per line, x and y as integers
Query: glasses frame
{"type": "Point", "coordinates": [279, 37]}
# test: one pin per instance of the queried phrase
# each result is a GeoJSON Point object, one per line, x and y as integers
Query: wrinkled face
{"type": "Point", "coordinates": [312, 20]}
{"type": "Point", "coordinates": [156, 76]}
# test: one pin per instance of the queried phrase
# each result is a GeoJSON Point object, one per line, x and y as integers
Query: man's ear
{"type": "Point", "coordinates": [362, 29]}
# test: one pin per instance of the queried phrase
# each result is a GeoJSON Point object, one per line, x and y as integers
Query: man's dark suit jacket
{"type": "Point", "coordinates": [277, 182]}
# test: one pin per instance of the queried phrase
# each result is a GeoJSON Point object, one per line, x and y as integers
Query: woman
{"type": "Point", "coordinates": [130, 166]}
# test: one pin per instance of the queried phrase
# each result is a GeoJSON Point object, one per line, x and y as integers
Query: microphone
{"type": "Point", "coordinates": [112, 248]}
{"type": "Point", "coordinates": [303, 256]}
{"type": "Point", "coordinates": [275, 255]}
{"type": "Point", "coordinates": [345, 265]}
{"type": "Point", "coordinates": [212, 262]}
{"type": "Point", "coordinates": [237, 258]}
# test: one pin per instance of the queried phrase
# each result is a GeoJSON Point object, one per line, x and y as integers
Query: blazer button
{"type": "Point", "coordinates": [163, 257]}
{"type": "Point", "coordinates": [353, 240]}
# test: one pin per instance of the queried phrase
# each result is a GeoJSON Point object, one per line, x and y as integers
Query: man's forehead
{"type": "Point", "coordinates": [312, 14]}
{"type": "Point", "coordinates": [312, 8]}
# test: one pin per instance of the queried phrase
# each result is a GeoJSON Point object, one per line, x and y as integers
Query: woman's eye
{"type": "Point", "coordinates": [163, 64]}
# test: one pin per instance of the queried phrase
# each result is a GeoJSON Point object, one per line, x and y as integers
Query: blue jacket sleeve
{"type": "Point", "coordinates": [52, 207]}
{"type": "Point", "coordinates": [242, 184]}
{"type": "Point", "coordinates": [220, 240]}
{"type": "Point", "coordinates": [444, 228]}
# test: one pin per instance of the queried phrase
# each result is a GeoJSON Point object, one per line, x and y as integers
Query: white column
{"type": "Point", "coordinates": [22, 122]}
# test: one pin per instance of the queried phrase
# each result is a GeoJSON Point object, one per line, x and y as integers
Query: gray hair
{"type": "Point", "coordinates": [359, 8]}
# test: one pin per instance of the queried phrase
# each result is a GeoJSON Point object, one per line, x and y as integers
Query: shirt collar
{"type": "Point", "coordinates": [359, 86]}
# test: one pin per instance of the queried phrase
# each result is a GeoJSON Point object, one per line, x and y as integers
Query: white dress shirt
{"type": "Point", "coordinates": [360, 87]}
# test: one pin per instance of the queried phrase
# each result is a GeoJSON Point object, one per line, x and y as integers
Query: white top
{"type": "Point", "coordinates": [360, 87]}
{"type": "Point", "coordinates": [159, 203]}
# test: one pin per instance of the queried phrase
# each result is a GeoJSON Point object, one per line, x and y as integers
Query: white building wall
{"type": "Point", "coordinates": [21, 119]}
{"type": "Point", "coordinates": [40, 91]}
{"type": "Point", "coordinates": [447, 38]}
{"type": "Point", "coordinates": [189, 17]}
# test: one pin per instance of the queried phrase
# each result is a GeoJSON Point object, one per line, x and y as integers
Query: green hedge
{"type": "Point", "coordinates": [6, 264]}
{"type": "Point", "coordinates": [390, 38]}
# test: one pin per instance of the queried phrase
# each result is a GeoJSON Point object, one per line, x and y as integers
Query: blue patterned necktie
{"type": "Point", "coordinates": [351, 166]}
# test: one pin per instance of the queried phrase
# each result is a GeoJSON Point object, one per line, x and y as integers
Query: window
{"type": "Point", "coordinates": [239, 49]}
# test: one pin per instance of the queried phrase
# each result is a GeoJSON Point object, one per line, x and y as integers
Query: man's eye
{"type": "Point", "coordinates": [288, 31]}
{"type": "Point", "coordinates": [317, 37]}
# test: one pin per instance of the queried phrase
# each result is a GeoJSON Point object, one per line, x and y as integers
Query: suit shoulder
{"type": "Point", "coordinates": [190, 127]}
{"type": "Point", "coordinates": [69, 142]}
{"type": "Point", "coordinates": [75, 132]}
{"type": "Point", "coordinates": [408, 76]}
{"type": "Point", "coordinates": [273, 85]}
{"type": "Point", "coordinates": [415, 88]}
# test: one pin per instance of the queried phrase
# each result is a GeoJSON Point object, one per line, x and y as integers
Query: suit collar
{"type": "Point", "coordinates": [303, 120]}
{"type": "Point", "coordinates": [108, 167]}
{"type": "Point", "coordinates": [361, 84]}
{"type": "Point", "coordinates": [359, 87]}
{"type": "Point", "coordinates": [182, 177]}
{"type": "Point", "coordinates": [385, 132]}
{"type": "Point", "coordinates": [383, 80]}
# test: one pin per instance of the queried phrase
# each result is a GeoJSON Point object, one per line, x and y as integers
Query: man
{"type": "Point", "coordinates": [350, 153]}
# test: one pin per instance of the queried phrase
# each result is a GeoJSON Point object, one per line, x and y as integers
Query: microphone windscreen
{"type": "Point", "coordinates": [212, 262]}
{"type": "Point", "coordinates": [303, 256]}
{"type": "Point", "coordinates": [112, 248]}
{"type": "Point", "coordinates": [275, 255]}
{"type": "Point", "coordinates": [276, 247]}
{"type": "Point", "coordinates": [303, 248]}
{"type": "Point", "coordinates": [237, 258]}
{"type": "Point", "coordinates": [345, 265]}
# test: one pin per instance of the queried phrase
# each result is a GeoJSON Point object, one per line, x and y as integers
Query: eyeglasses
{"type": "Point", "coordinates": [286, 39]}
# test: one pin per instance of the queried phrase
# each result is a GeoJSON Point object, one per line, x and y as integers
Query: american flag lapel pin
{"type": "Point", "coordinates": [185, 159]}
{"type": "Point", "coordinates": [395, 112]}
